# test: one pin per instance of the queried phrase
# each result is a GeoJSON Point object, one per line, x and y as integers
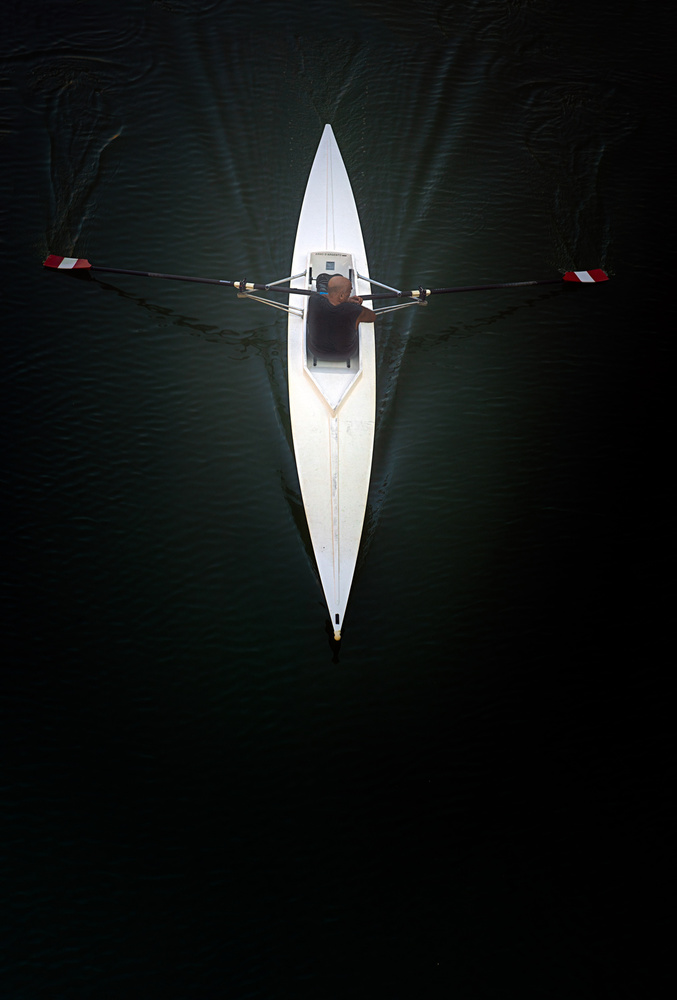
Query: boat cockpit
{"type": "Point", "coordinates": [322, 267]}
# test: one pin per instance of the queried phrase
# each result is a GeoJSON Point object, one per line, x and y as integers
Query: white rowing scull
{"type": "Point", "coordinates": [332, 403]}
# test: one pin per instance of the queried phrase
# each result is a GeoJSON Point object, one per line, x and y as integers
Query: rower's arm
{"type": "Point", "coordinates": [366, 316]}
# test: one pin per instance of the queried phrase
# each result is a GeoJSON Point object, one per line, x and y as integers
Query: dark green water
{"type": "Point", "coordinates": [201, 797]}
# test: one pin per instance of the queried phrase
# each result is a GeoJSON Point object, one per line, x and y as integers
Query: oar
{"type": "Point", "coordinates": [79, 263]}
{"type": "Point", "coordinates": [423, 293]}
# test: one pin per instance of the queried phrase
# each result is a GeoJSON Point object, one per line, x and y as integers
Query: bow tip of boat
{"type": "Point", "coordinates": [337, 636]}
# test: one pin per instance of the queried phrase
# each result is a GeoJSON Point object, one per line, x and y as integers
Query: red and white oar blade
{"type": "Point", "coordinates": [596, 275]}
{"type": "Point", "coordinates": [65, 263]}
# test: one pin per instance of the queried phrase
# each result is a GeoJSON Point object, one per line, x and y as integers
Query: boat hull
{"type": "Point", "coordinates": [332, 404]}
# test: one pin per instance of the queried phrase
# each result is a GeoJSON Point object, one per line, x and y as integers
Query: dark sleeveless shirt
{"type": "Point", "coordinates": [331, 330]}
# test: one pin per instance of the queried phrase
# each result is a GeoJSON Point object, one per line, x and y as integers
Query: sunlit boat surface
{"type": "Point", "coordinates": [332, 403]}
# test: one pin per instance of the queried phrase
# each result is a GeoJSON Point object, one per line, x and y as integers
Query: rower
{"type": "Point", "coordinates": [333, 320]}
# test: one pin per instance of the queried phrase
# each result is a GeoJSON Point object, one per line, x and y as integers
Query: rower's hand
{"type": "Point", "coordinates": [356, 298]}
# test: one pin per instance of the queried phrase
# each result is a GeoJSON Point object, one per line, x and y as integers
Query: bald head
{"type": "Point", "coordinates": [338, 289]}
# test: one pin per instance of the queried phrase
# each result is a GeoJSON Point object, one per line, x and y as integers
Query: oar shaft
{"type": "Point", "coordinates": [246, 286]}
{"type": "Point", "coordinates": [422, 293]}
{"type": "Point", "coordinates": [155, 274]}
{"type": "Point", "coordinates": [58, 263]}
{"type": "Point", "coordinates": [502, 284]}
{"type": "Point", "coordinates": [252, 286]}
